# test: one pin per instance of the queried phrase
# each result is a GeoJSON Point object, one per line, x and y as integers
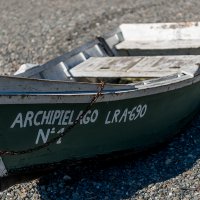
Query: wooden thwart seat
{"type": "Point", "coordinates": [159, 39]}
{"type": "Point", "coordinates": [136, 67]}
{"type": "Point", "coordinates": [165, 47]}
{"type": "Point", "coordinates": [163, 44]}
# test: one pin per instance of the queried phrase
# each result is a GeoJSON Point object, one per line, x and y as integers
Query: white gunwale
{"type": "Point", "coordinates": [143, 90]}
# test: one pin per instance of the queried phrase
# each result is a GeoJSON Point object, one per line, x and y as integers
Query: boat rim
{"type": "Point", "coordinates": [143, 90]}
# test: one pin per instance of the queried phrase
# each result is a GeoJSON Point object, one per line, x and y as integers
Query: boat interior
{"type": "Point", "coordinates": [132, 53]}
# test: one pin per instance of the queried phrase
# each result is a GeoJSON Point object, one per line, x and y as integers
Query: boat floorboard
{"type": "Point", "coordinates": [134, 67]}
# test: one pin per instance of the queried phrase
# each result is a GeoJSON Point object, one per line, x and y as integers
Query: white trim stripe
{"type": "Point", "coordinates": [140, 91]}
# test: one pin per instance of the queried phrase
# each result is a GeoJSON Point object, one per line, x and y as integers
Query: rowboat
{"type": "Point", "coordinates": [127, 90]}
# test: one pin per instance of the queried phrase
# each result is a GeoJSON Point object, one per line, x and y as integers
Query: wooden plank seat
{"type": "Point", "coordinates": [136, 67]}
{"type": "Point", "coordinates": [159, 39]}
{"type": "Point", "coordinates": [151, 45]}
{"type": "Point", "coordinates": [164, 47]}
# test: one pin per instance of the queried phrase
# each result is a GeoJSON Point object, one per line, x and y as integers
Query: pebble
{"type": "Point", "coordinates": [67, 178]}
{"type": "Point", "coordinates": [168, 161]}
{"type": "Point", "coordinates": [37, 31]}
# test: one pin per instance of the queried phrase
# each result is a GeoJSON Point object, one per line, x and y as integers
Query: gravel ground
{"type": "Point", "coordinates": [36, 31]}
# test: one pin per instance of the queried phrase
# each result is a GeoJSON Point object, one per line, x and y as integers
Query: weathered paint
{"type": "Point", "coordinates": [140, 90]}
{"type": "Point", "coordinates": [159, 117]}
{"type": "Point", "coordinates": [36, 86]}
{"type": "Point", "coordinates": [159, 39]}
{"type": "Point", "coordinates": [137, 66]}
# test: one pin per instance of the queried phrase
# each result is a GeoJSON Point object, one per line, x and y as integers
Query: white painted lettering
{"type": "Point", "coordinates": [56, 116]}
{"type": "Point", "coordinates": [138, 110]}
{"type": "Point", "coordinates": [43, 136]}
{"type": "Point", "coordinates": [65, 117]}
{"type": "Point", "coordinates": [143, 111]}
{"type": "Point", "coordinates": [132, 114]}
{"type": "Point", "coordinates": [115, 116]}
{"type": "Point", "coordinates": [86, 118]}
{"type": "Point", "coordinates": [60, 119]}
{"type": "Point", "coordinates": [60, 139]}
{"type": "Point", "coordinates": [28, 118]}
{"type": "Point", "coordinates": [51, 112]}
{"type": "Point", "coordinates": [70, 122]}
{"type": "Point", "coordinates": [108, 121]}
{"type": "Point", "coordinates": [118, 116]}
{"type": "Point", "coordinates": [36, 121]}
{"type": "Point", "coordinates": [45, 117]}
{"type": "Point", "coordinates": [124, 115]}
{"type": "Point", "coordinates": [94, 116]}
{"type": "Point", "coordinates": [18, 120]}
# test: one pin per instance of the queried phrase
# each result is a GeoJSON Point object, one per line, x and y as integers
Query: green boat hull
{"type": "Point", "coordinates": [135, 123]}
